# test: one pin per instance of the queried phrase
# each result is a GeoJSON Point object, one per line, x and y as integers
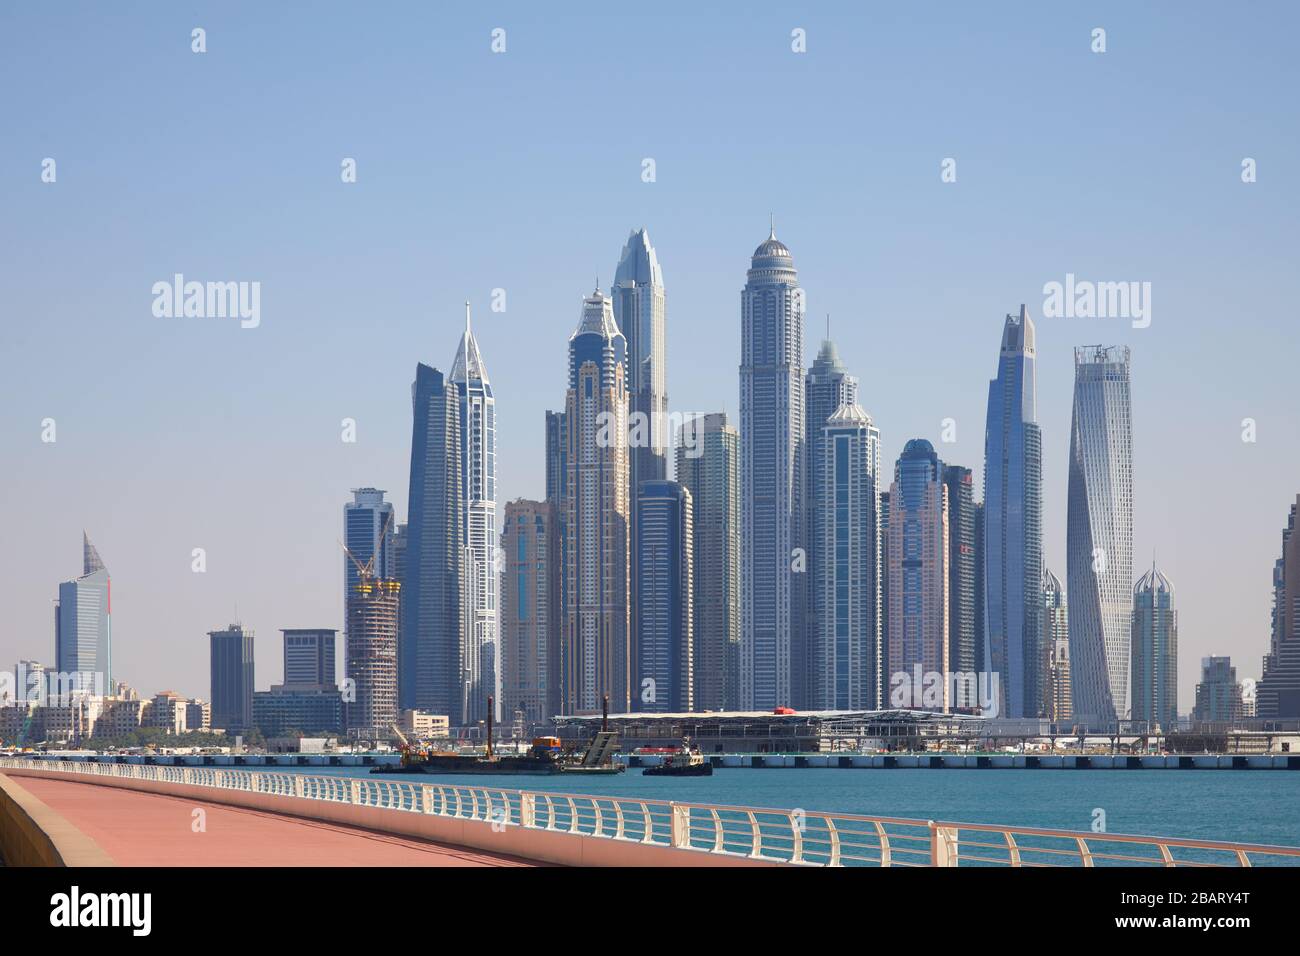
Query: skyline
{"type": "Point", "coordinates": [214, 465]}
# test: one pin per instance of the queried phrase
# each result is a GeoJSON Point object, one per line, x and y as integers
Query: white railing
{"type": "Point", "coordinates": [784, 836]}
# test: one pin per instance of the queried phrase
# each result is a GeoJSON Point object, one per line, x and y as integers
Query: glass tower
{"type": "Point", "coordinates": [1155, 651]}
{"type": "Point", "coordinates": [83, 628]}
{"type": "Point", "coordinates": [665, 617]}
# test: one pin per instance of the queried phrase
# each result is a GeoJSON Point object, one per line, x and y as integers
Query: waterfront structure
{"type": "Point", "coordinates": [83, 627]}
{"type": "Point", "coordinates": [962, 561]}
{"type": "Point", "coordinates": [1218, 693]}
{"type": "Point", "coordinates": [478, 481]}
{"type": "Point", "coordinates": [1154, 648]}
{"type": "Point", "coordinates": [530, 611]}
{"type": "Point", "coordinates": [309, 655]}
{"type": "Point", "coordinates": [1013, 537]}
{"type": "Point", "coordinates": [597, 654]}
{"type": "Point", "coordinates": [637, 297]}
{"type": "Point", "coordinates": [231, 676]}
{"type": "Point", "coordinates": [1099, 535]}
{"type": "Point", "coordinates": [919, 609]}
{"type": "Point", "coordinates": [846, 562]}
{"type": "Point", "coordinates": [368, 532]}
{"type": "Point", "coordinates": [827, 387]}
{"type": "Point", "coordinates": [708, 465]}
{"type": "Point", "coordinates": [431, 648]}
{"type": "Point", "coordinates": [1277, 694]}
{"type": "Point", "coordinates": [665, 677]}
{"type": "Point", "coordinates": [372, 656]}
{"type": "Point", "coordinates": [774, 591]}
{"type": "Point", "coordinates": [1056, 641]}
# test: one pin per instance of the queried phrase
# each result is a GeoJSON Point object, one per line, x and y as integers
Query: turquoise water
{"type": "Point", "coordinates": [1261, 806]}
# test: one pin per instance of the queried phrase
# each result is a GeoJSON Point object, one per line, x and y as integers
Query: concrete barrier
{"type": "Point", "coordinates": [510, 839]}
{"type": "Point", "coordinates": [32, 834]}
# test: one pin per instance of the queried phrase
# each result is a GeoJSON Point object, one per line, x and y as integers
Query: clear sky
{"type": "Point", "coordinates": [522, 170]}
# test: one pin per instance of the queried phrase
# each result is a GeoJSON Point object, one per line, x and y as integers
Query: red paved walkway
{"type": "Point", "coordinates": [144, 829]}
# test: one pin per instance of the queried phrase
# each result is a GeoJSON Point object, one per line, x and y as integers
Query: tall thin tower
{"type": "Point", "coordinates": [478, 480]}
{"type": "Point", "coordinates": [1099, 534]}
{"type": "Point", "coordinates": [1013, 532]}
{"type": "Point", "coordinates": [773, 639]}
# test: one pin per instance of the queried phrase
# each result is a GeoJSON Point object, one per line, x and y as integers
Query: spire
{"type": "Point", "coordinates": [468, 365]}
{"type": "Point", "coordinates": [90, 559]}
{"type": "Point", "coordinates": [771, 216]}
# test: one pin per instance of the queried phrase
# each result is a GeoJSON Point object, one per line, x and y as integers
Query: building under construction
{"type": "Point", "coordinates": [372, 655]}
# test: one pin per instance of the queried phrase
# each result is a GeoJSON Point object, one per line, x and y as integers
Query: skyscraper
{"type": "Point", "coordinates": [917, 645]}
{"type": "Point", "coordinates": [597, 649]}
{"type": "Point", "coordinates": [1154, 649]}
{"type": "Point", "coordinates": [638, 301]}
{"type": "Point", "coordinates": [1218, 694]}
{"type": "Point", "coordinates": [1278, 692]}
{"type": "Point", "coordinates": [83, 628]}
{"type": "Point", "coordinates": [846, 560]}
{"type": "Point", "coordinates": [827, 387]}
{"type": "Point", "coordinates": [773, 636]}
{"type": "Point", "coordinates": [961, 568]}
{"type": "Point", "coordinates": [431, 649]}
{"type": "Point", "coordinates": [478, 481]}
{"type": "Point", "coordinates": [1099, 534]}
{"type": "Point", "coordinates": [309, 656]}
{"type": "Point", "coordinates": [372, 664]}
{"type": "Point", "coordinates": [1013, 536]}
{"type": "Point", "coordinates": [530, 612]}
{"type": "Point", "coordinates": [1056, 642]}
{"type": "Point", "coordinates": [231, 676]}
{"type": "Point", "coordinates": [368, 532]}
{"type": "Point", "coordinates": [708, 464]}
{"type": "Point", "coordinates": [665, 614]}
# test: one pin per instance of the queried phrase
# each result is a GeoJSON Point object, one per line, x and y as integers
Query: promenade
{"type": "Point", "coordinates": [144, 829]}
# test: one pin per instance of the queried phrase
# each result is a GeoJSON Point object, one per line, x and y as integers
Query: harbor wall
{"type": "Point", "coordinates": [33, 834]}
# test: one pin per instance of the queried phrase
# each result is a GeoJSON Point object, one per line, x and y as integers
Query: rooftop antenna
{"type": "Point", "coordinates": [467, 318]}
{"type": "Point", "coordinates": [828, 326]}
{"type": "Point", "coordinates": [771, 216]}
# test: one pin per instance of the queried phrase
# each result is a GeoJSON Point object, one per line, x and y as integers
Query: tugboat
{"type": "Point", "coordinates": [544, 757]}
{"type": "Point", "coordinates": [685, 761]}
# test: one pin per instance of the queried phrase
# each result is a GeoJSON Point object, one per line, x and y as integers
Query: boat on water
{"type": "Point", "coordinates": [546, 756]}
{"type": "Point", "coordinates": [684, 761]}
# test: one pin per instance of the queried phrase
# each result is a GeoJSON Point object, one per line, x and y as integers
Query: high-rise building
{"type": "Point", "coordinates": [846, 563]}
{"type": "Point", "coordinates": [1056, 640]}
{"type": "Point", "coordinates": [916, 652]}
{"type": "Point", "coordinates": [1013, 535]}
{"type": "Point", "coordinates": [1154, 649]}
{"type": "Point", "coordinates": [478, 481]}
{"type": "Point", "coordinates": [708, 464]}
{"type": "Point", "coordinates": [368, 532]}
{"type": "Point", "coordinates": [83, 628]}
{"type": "Point", "coordinates": [597, 652]}
{"type": "Point", "coordinates": [309, 656]}
{"type": "Point", "coordinates": [1099, 535]}
{"type": "Point", "coordinates": [231, 675]}
{"type": "Point", "coordinates": [962, 561]}
{"type": "Point", "coordinates": [431, 650]}
{"type": "Point", "coordinates": [665, 677]}
{"type": "Point", "coordinates": [638, 301]}
{"type": "Point", "coordinates": [1277, 694]}
{"type": "Point", "coordinates": [774, 591]}
{"type": "Point", "coordinates": [827, 387]}
{"type": "Point", "coordinates": [372, 656]}
{"type": "Point", "coordinates": [1218, 694]}
{"type": "Point", "coordinates": [530, 612]}
{"type": "Point", "coordinates": [981, 617]}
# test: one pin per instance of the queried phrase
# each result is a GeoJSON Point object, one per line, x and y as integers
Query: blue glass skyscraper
{"type": "Point", "coordinates": [664, 613]}
{"type": "Point", "coordinates": [83, 627]}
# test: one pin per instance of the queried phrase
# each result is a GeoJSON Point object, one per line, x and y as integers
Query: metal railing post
{"type": "Point", "coordinates": [681, 825]}
{"type": "Point", "coordinates": [527, 809]}
{"type": "Point", "coordinates": [943, 845]}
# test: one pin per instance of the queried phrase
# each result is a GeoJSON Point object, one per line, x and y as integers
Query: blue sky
{"type": "Point", "coordinates": [522, 171]}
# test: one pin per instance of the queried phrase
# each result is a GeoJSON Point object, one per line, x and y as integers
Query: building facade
{"type": "Point", "coordinates": [1277, 694]}
{"type": "Point", "coordinates": [1154, 649]}
{"type": "Point", "coordinates": [962, 561]}
{"type": "Point", "coordinates": [368, 534]}
{"type": "Point", "coordinates": [774, 559]}
{"type": "Point", "coordinates": [530, 612]}
{"type": "Point", "coordinates": [1056, 640]}
{"type": "Point", "coordinates": [309, 655]}
{"type": "Point", "coordinates": [431, 646]}
{"type": "Point", "coordinates": [597, 653]}
{"type": "Point", "coordinates": [371, 700]}
{"type": "Point", "coordinates": [1218, 693]}
{"type": "Point", "coordinates": [708, 465]}
{"type": "Point", "coordinates": [846, 562]}
{"type": "Point", "coordinates": [916, 652]}
{"type": "Point", "coordinates": [83, 627]}
{"type": "Point", "coordinates": [478, 480]}
{"type": "Point", "coordinates": [1099, 535]}
{"type": "Point", "coordinates": [1013, 537]}
{"type": "Point", "coordinates": [665, 621]}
